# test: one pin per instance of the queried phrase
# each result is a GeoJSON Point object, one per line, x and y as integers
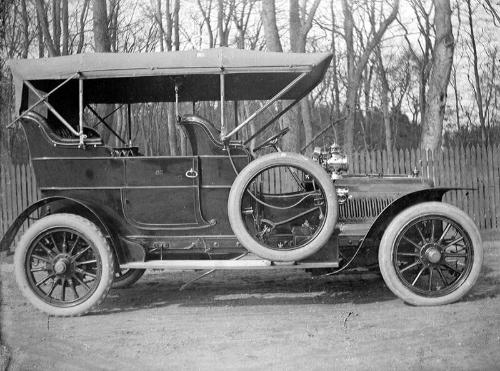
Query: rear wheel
{"type": "Point", "coordinates": [431, 254]}
{"type": "Point", "coordinates": [127, 277]}
{"type": "Point", "coordinates": [283, 207]}
{"type": "Point", "coordinates": [64, 265]}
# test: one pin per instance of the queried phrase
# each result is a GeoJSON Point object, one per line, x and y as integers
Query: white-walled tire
{"type": "Point", "coordinates": [64, 265]}
{"type": "Point", "coordinates": [431, 254]}
{"type": "Point", "coordinates": [317, 197]}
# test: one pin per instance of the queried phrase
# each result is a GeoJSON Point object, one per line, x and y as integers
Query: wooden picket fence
{"type": "Point", "coordinates": [17, 191]}
{"type": "Point", "coordinates": [476, 167]}
{"type": "Point", "coordinates": [472, 167]}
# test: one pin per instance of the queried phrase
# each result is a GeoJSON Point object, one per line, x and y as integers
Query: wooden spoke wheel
{"type": "Point", "coordinates": [431, 254]}
{"type": "Point", "coordinates": [64, 265]}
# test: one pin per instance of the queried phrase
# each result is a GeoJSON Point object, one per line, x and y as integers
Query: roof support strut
{"type": "Point", "coordinates": [80, 110]}
{"type": "Point", "coordinates": [265, 126]}
{"type": "Point", "coordinates": [43, 98]}
{"type": "Point", "coordinates": [53, 110]}
{"type": "Point", "coordinates": [223, 129]}
{"type": "Point", "coordinates": [285, 90]}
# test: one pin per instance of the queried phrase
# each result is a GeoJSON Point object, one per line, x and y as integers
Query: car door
{"type": "Point", "coordinates": [162, 192]}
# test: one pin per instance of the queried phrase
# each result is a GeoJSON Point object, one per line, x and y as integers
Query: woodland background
{"type": "Point", "coordinates": [405, 73]}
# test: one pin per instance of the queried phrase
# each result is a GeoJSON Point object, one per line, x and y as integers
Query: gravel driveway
{"type": "Point", "coordinates": [258, 321]}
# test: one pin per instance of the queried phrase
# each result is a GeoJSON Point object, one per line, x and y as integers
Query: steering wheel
{"type": "Point", "coordinates": [272, 141]}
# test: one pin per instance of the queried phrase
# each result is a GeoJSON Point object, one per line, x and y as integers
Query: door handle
{"type": "Point", "coordinates": [191, 173]}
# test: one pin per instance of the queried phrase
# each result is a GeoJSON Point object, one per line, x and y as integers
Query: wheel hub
{"type": "Point", "coordinates": [432, 254]}
{"type": "Point", "coordinates": [61, 266]}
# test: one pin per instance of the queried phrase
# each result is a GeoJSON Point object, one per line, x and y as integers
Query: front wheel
{"type": "Point", "coordinates": [64, 265]}
{"type": "Point", "coordinates": [431, 254]}
{"type": "Point", "coordinates": [283, 207]}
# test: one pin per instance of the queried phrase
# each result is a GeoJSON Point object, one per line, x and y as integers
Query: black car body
{"type": "Point", "coordinates": [109, 213]}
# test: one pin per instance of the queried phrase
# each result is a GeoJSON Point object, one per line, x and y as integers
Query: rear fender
{"type": "Point", "coordinates": [76, 207]}
{"type": "Point", "coordinates": [372, 238]}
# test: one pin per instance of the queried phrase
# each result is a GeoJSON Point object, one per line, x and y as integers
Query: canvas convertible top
{"type": "Point", "coordinates": [150, 77]}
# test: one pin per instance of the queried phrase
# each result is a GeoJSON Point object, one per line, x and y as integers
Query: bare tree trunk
{"type": "Point", "coordinates": [81, 32]}
{"type": "Point", "coordinates": [65, 29]}
{"type": "Point", "coordinates": [206, 17]}
{"type": "Point", "coordinates": [26, 36]}
{"type": "Point", "coordinates": [491, 90]}
{"type": "Point", "coordinates": [173, 28]}
{"type": "Point", "coordinates": [44, 25]}
{"type": "Point", "coordinates": [477, 88]}
{"type": "Point", "coordinates": [56, 24]}
{"type": "Point", "coordinates": [352, 79]}
{"type": "Point", "coordinates": [241, 22]}
{"type": "Point", "coordinates": [457, 97]}
{"type": "Point", "coordinates": [299, 28]}
{"type": "Point", "coordinates": [159, 20]}
{"type": "Point", "coordinates": [101, 31]}
{"type": "Point", "coordinates": [425, 28]}
{"type": "Point", "coordinates": [220, 23]}
{"type": "Point", "coordinates": [291, 141]}
{"type": "Point", "coordinates": [271, 34]}
{"type": "Point", "coordinates": [102, 45]}
{"type": "Point", "coordinates": [177, 6]}
{"type": "Point", "coordinates": [442, 61]}
{"type": "Point", "coordinates": [355, 66]}
{"type": "Point", "coordinates": [114, 9]}
{"type": "Point", "coordinates": [296, 41]}
{"type": "Point", "coordinates": [224, 17]}
{"type": "Point", "coordinates": [492, 10]}
{"type": "Point", "coordinates": [168, 26]}
{"type": "Point", "coordinates": [39, 31]}
{"type": "Point", "coordinates": [336, 91]}
{"type": "Point", "coordinates": [384, 97]}
{"type": "Point", "coordinates": [367, 89]}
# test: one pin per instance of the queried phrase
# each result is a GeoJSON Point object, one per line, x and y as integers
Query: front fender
{"type": "Point", "coordinates": [372, 238]}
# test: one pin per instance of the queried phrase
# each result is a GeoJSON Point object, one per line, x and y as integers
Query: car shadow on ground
{"type": "Point", "coordinates": [241, 289]}
{"type": "Point", "coordinates": [231, 289]}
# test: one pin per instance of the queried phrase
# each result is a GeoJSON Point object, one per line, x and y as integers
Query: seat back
{"type": "Point", "coordinates": [202, 135]}
{"type": "Point", "coordinates": [60, 134]}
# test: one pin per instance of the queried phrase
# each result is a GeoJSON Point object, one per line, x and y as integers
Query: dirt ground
{"type": "Point", "coordinates": [258, 321]}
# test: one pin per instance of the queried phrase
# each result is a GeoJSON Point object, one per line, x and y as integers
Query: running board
{"type": "Point", "coordinates": [224, 264]}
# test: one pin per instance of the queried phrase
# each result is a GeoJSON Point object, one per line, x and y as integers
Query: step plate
{"type": "Point", "coordinates": [224, 264]}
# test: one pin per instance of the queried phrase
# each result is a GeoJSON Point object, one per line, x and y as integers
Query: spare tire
{"type": "Point", "coordinates": [283, 207]}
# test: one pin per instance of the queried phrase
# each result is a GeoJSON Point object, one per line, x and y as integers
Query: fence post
{"type": "Point", "coordinates": [491, 187]}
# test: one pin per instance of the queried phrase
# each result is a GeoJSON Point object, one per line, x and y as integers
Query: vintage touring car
{"type": "Point", "coordinates": [107, 214]}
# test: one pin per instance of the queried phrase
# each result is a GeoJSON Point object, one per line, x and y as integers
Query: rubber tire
{"type": "Point", "coordinates": [240, 184]}
{"type": "Point", "coordinates": [397, 225]}
{"type": "Point", "coordinates": [93, 234]}
{"type": "Point", "coordinates": [128, 279]}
